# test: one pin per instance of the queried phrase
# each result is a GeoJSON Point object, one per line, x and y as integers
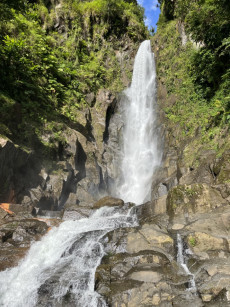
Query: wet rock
{"type": "Point", "coordinates": [73, 213]}
{"type": "Point", "coordinates": [16, 237]}
{"type": "Point", "coordinates": [105, 104]}
{"type": "Point", "coordinates": [147, 238]}
{"type": "Point", "coordinates": [139, 269]}
{"type": "Point", "coordinates": [21, 209]}
{"type": "Point", "coordinates": [140, 279]}
{"type": "Point", "coordinates": [22, 230]}
{"type": "Point", "coordinates": [50, 214]}
{"type": "Point", "coordinates": [163, 182]}
{"type": "Point", "coordinates": [108, 201]}
{"type": "Point", "coordinates": [10, 255]}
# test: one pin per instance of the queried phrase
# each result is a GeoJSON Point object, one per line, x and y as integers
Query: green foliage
{"type": "Point", "coordinates": [196, 75]}
{"type": "Point", "coordinates": [118, 16]}
{"type": "Point", "coordinates": [167, 9]}
{"type": "Point", "coordinates": [52, 56]}
{"type": "Point", "coordinates": [208, 21]}
{"type": "Point", "coordinates": [192, 241]}
{"type": "Point", "coordinates": [6, 9]}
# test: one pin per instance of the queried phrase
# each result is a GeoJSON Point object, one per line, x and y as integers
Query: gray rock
{"type": "Point", "coordinates": [108, 201]}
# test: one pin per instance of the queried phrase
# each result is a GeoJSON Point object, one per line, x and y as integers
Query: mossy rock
{"type": "Point", "coordinates": [192, 199]}
{"type": "Point", "coordinates": [222, 168]}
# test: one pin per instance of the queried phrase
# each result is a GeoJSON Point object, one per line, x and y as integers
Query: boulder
{"type": "Point", "coordinates": [109, 202]}
{"type": "Point", "coordinates": [25, 229]}
{"type": "Point", "coordinates": [16, 237]}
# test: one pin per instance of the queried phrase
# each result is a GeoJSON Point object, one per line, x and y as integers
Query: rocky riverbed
{"type": "Point", "coordinates": [189, 197]}
{"type": "Point", "coordinates": [140, 267]}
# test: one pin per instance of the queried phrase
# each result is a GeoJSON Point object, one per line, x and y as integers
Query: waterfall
{"type": "Point", "coordinates": [65, 261]}
{"type": "Point", "coordinates": [59, 270]}
{"type": "Point", "coordinates": [139, 152]}
{"type": "Point", "coordinates": [182, 262]}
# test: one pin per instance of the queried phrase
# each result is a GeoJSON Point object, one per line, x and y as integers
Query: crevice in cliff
{"type": "Point", "coordinates": [109, 113]}
{"type": "Point", "coordinates": [80, 160]}
{"type": "Point", "coordinates": [74, 176]}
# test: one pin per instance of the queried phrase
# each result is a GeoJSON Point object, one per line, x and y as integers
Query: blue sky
{"type": "Point", "coordinates": [151, 12]}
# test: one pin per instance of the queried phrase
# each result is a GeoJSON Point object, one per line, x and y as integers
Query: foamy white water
{"type": "Point", "coordinates": [68, 256]}
{"type": "Point", "coordinates": [181, 261]}
{"type": "Point", "coordinates": [140, 154]}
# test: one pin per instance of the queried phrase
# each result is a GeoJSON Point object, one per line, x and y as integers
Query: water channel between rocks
{"type": "Point", "coordinates": [61, 267]}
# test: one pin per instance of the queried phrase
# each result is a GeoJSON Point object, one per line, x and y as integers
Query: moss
{"type": "Point", "coordinates": [192, 241]}
{"type": "Point", "coordinates": [52, 57]}
{"type": "Point", "coordinates": [183, 197]}
{"type": "Point", "coordinates": [106, 258]}
{"type": "Point", "coordinates": [177, 193]}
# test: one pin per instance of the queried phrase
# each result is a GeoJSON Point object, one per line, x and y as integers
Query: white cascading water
{"type": "Point", "coordinates": [67, 256]}
{"type": "Point", "coordinates": [139, 155]}
{"type": "Point", "coordinates": [181, 261]}
{"type": "Point", "coordinates": [62, 265]}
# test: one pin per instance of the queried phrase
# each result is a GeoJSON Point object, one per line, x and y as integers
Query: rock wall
{"type": "Point", "coordinates": [190, 197]}
{"type": "Point", "coordinates": [60, 178]}
{"type": "Point", "coordinates": [141, 269]}
{"type": "Point", "coordinates": [77, 171]}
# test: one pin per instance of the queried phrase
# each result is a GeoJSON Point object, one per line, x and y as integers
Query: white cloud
{"type": "Point", "coordinates": [154, 5]}
{"type": "Point", "coordinates": [148, 21]}
{"type": "Point", "coordinates": [141, 2]}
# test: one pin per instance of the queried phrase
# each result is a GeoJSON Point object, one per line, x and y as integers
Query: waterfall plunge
{"type": "Point", "coordinates": [139, 153]}
{"type": "Point", "coordinates": [65, 260]}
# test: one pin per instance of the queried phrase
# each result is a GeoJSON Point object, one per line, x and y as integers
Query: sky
{"type": "Point", "coordinates": [151, 12]}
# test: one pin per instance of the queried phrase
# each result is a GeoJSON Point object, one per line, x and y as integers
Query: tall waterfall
{"type": "Point", "coordinates": [139, 149]}
{"type": "Point", "coordinates": [62, 265]}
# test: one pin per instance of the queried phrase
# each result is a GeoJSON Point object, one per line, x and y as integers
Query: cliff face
{"type": "Point", "coordinates": [189, 210]}
{"type": "Point", "coordinates": [63, 64]}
